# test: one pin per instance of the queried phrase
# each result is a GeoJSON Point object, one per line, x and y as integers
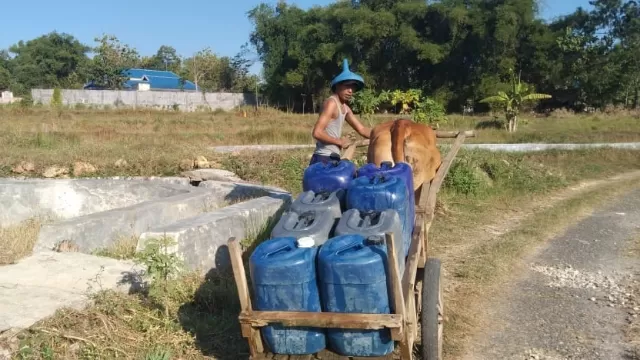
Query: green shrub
{"type": "Point", "coordinates": [463, 179]}
{"type": "Point", "coordinates": [56, 98]}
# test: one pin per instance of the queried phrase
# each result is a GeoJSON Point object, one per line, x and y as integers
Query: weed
{"type": "Point", "coordinates": [162, 265]}
{"type": "Point", "coordinates": [462, 179]}
{"type": "Point", "coordinates": [158, 354]}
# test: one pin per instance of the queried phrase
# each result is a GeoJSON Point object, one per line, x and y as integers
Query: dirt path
{"type": "Point", "coordinates": [574, 298]}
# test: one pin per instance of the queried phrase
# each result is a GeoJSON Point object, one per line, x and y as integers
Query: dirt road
{"type": "Point", "coordinates": [576, 297]}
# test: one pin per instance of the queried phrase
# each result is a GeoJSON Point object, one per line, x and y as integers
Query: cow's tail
{"type": "Point", "coordinates": [399, 133]}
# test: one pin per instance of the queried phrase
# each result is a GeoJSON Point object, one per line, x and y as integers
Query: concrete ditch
{"type": "Point", "coordinates": [92, 214]}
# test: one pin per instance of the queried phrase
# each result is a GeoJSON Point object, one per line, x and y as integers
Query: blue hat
{"type": "Point", "coordinates": [346, 75]}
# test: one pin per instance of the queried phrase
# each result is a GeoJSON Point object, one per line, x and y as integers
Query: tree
{"type": "Point", "coordinates": [512, 101]}
{"type": "Point", "coordinates": [204, 68]}
{"type": "Point", "coordinates": [48, 61]}
{"type": "Point", "coordinates": [5, 78]}
{"type": "Point", "coordinates": [110, 60]}
{"type": "Point", "coordinates": [166, 58]}
{"type": "Point", "coordinates": [241, 80]}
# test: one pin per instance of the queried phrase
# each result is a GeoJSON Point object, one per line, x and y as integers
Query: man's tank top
{"type": "Point", "coordinates": [333, 129]}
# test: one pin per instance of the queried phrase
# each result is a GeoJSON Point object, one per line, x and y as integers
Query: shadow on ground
{"type": "Point", "coordinates": [490, 124]}
{"type": "Point", "coordinates": [212, 318]}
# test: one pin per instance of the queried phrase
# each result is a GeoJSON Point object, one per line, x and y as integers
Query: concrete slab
{"type": "Point", "coordinates": [99, 230]}
{"type": "Point", "coordinates": [201, 240]}
{"type": "Point", "coordinates": [237, 191]}
{"type": "Point", "coordinates": [211, 174]}
{"type": "Point", "coordinates": [37, 286]}
{"type": "Point", "coordinates": [68, 198]}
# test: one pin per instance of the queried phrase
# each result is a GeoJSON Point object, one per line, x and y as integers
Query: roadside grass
{"type": "Point", "coordinates": [474, 176]}
{"type": "Point", "coordinates": [153, 142]}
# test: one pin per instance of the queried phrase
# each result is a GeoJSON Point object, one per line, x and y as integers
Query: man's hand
{"type": "Point", "coordinates": [352, 120]}
{"type": "Point", "coordinates": [345, 142]}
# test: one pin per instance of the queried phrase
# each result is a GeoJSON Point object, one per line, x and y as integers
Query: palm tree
{"type": "Point", "coordinates": [512, 100]}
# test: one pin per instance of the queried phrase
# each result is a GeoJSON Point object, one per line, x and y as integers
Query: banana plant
{"type": "Point", "coordinates": [512, 101]}
{"type": "Point", "coordinates": [405, 98]}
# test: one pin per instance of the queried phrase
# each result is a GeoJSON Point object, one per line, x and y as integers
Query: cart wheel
{"type": "Point", "coordinates": [432, 311]}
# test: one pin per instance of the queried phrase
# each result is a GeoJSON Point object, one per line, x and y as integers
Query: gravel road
{"type": "Point", "coordinates": [575, 298]}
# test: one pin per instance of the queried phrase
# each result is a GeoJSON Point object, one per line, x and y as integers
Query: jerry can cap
{"type": "Point", "coordinates": [306, 242]}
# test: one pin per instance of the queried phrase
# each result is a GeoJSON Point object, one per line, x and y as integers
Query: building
{"type": "Point", "coordinates": [6, 97]}
{"type": "Point", "coordinates": [154, 80]}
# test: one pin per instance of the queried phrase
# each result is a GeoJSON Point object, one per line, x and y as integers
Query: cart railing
{"type": "Point", "coordinates": [250, 320]}
{"type": "Point", "coordinates": [403, 319]}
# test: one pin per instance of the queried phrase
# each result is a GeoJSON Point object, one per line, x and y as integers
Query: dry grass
{"type": "Point", "coordinates": [17, 241]}
{"type": "Point", "coordinates": [123, 247]}
{"type": "Point", "coordinates": [153, 142]}
{"type": "Point", "coordinates": [202, 323]}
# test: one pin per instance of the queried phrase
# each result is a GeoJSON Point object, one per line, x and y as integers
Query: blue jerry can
{"type": "Point", "coordinates": [353, 279]}
{"type": "Point", "coordinates": [283, 274]}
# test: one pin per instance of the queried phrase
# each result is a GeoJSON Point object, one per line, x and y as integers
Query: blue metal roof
{"type": "Point", "coordinates": [156, 78]}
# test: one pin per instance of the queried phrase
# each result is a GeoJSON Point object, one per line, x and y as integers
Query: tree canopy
{"type": "Point", "coordinates": [455, 52]}
{"type": "Point", "coordinates": [60, 60]}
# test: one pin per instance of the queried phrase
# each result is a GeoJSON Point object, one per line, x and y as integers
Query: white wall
{"type": "Point", "coordinates": [186, 101]}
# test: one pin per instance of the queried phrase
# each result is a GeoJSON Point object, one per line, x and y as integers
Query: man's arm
{"type": "Point", "coordinates": [319, 133]}
{"type": "Point", "coordinates": [364, 131]}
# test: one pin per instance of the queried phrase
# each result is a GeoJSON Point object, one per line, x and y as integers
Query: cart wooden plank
{"type": "Point", "coordinates": [396, 285]}
{"type": "Point", "coordinates": [262, 356]}
{"type": "Point", "coordinates": [321, 319]}
{"type": "Point", "coordinates": [301, 357]}
{"type": "Point", "coordinates": [330, 355]}
{"type": "Point", "coordinates": [350, 150]}
{"type": "Point", "coordinates": [408, 282]}
{"type": "Point", "coordinates": [251, 333]}
{"type": "Point", "coordinates": [429, 202]}
{"type": "Point", "coordinates": [290, 357]}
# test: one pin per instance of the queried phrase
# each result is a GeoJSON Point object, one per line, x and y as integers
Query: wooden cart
{"type": "Point", "coordinates": [416, 297]}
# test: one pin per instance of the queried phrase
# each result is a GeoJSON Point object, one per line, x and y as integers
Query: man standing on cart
{"type": "Point", "coordinates": [328, 129]}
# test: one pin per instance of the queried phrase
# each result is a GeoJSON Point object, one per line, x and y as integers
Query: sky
{"type": "Point", "coordinates": [188, 25]}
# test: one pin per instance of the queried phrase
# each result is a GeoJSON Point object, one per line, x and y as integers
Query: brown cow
{"type": "Point", "coordinates": [406, 141]}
